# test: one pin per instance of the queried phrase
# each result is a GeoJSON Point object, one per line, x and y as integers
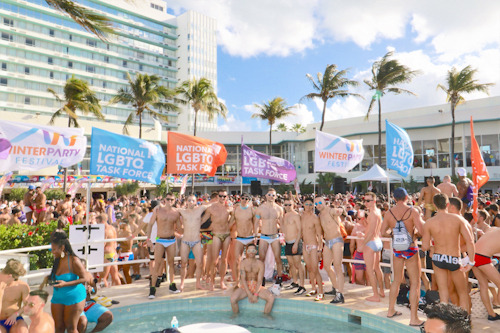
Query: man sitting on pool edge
{"type": "Point", "coordinates": [251, 274]}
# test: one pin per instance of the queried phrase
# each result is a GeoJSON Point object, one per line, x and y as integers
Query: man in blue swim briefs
{"type": "Point", "coordinates": [13, 294]}
{"type": "Point", "coordinates": [445, 228]}
{"type": "Point", "coordinates": [167, 220]}
{"type": "Point", "coordinates": [403, 220]}
{"type": "Point", "coordinates": [372, 248]}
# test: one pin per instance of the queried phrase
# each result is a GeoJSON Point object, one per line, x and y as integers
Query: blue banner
{"type": "Point", "coordinates": [121, 156]}
{"type": "Point", "coordinates": [399, 151]}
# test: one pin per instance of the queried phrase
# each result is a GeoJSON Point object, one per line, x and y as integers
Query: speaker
{"type": "Point", "coordinates": [255, 188]}
{"type": "Point", "coordinates": [339, 185]}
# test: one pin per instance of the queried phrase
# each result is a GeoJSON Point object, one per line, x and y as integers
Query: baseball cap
{"type": "Point", "coordinates": [400, 193]}
{"type": "Point", "coordinates": [462, 172]}
{"type": "Point", "coordinates": [2, 206]}
{"type": "Point", "coordinates": [31, 187]}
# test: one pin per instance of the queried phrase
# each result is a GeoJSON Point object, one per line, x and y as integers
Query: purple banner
{"type": "Point", "coordinates": [256, 164]}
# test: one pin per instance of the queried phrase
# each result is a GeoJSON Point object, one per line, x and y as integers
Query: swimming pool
{"type": "Point", "coordinates": [288, 316]}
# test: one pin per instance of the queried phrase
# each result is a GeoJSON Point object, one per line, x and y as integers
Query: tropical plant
{"type": "Point", "coordinates": [87, 18]}
{"type": "Point", "coordinates": [201, 96]}
{"type": "Point", "coordinates": [330, 85]}
{"type": "Point", "coordinates": [298, 128]}
{"type": "Point", "coordinates": [271, 111]}
{"type": "Point", "coordinates": [146, 95]}
{"type": "Point", "coordinates": [460, 83]}
{"type": "Point", "coordinates": [387, 74]}
{"type": "Point", "coordinates": [77, 97]}
{"type": "Point", "coordinates": [325, 182]}
{"type": "Point", "coordinates": [281, 128]}
{"type": "Point", "coordinates": [17, 194]}
{"type": "Point", "coordinates": [127, 188]}
{"type": "Point", "coordinates": [55, 194]}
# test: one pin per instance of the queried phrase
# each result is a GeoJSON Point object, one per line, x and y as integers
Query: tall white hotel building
{"type": "Point", "coordinates": [41, 48]}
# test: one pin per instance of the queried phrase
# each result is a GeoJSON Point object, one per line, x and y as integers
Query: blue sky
{"type": "Point", "coordinates": [267, 47]}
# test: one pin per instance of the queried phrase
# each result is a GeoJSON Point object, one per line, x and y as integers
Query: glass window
{"type": "Point", "coordinates": [91, 43]}
{"type": "Point", "coordinates": [106, 59]}
{"type": "Point", "coordinates": [27, 100]}
{"type": "Point", "coordinates": [51, 32]}
{"type": "Point", "coordinates": [27, 70]}
{"type": "Point", "coordinates": [310, 161]}
{"type": "Point", "coordinates": [4, 66]}
{"type": "Point", "coordinates": [51, 75]}
{"type": "Point", "coordinates": [443, 145]}
{"type": "Point", "coordinates": [468, 142]}
{"type": "Point", "coordinates": [50, 60]}
{"type": "Point", "coordinates": [90, 69]}
{"type": "Point", "coordinates": [3, 81]}
{"type": "Point", "coordinates": [125, 63]}
{"type": "Point", "coordinates": [30, 42]}
{"type": "Point", "coordinates": [7, 37]}
{"type": "Point", "coordinates": [9, 22]}
{"type": "Point", "coordinates": [70, 64]}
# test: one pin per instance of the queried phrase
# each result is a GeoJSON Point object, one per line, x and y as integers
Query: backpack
{"type": "Point", "coordinates": [402, 298]}
{"type": "Point", "coordinates": [401, 239]}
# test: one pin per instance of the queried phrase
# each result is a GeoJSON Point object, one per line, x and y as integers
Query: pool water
{"type": "Point", "coordinates": [255, 322]}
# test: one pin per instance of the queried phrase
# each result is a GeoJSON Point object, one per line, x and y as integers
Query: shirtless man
{"type": "Point", "coordinates": [426, 195]}
{"type": "Point", "coordinates": [484, 270]}
{"type": "Point", "coordinates": [109, 253]}
{"type": "Point", "coordinates": [334, 247]}
{"type": "Point", "coordinates": [40, 205]}
{"type": "Point", "coordinates": [403, 220]}
{"type": "Point", "coordinates": [191, 222]}
{"type": "Point", "coordinates": [29, 203]}
{"type": "Point", "coordinates": [219, 213]}
{"type": "Point", "coordinates": [125, 253]}
{"type": "Point", "coordinates": [15, 219]}
{"type": "Point", "coordinates": [15, 292]}
{"type": "Point", "coordinates": [463, 186]}
{"type": "Point", "coordinates": [251, 273]}
{"type": "Point", "coordinates": [4, 214]}
{"type": "Point", "coordinates": [167, 219]}
{"type": "Point", "coordinates": [313, 246]}
{"type": "Point", "coordinates": [445, 228]}
{"type": "Point", "coordinates": [292, 229]}
{"type": "Point", "coordinates": [242, 217]}
{"type": "Point", "coordinates": [373, 246]}
{"type": "Point", "coordinates": [482, 217]}
{"type": "Point", "coordinates": [41, 321]}
{"type": "Point", "coordinates": [447, 187]}
{"type": "Point", "coordinates": [271, 216]}
{"type": "Point", "coordinates": [65, 208]}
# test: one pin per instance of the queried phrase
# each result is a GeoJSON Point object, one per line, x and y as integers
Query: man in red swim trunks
{"type": "Point", "coordinates": [40, 205]}
{"type": "Point", "coordinates": [404, 219]}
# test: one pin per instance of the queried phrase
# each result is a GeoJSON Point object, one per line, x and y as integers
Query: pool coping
{"type": "Point", "coordinates": [219, 303]}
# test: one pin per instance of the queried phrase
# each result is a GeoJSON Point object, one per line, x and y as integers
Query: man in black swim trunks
{"type": "Point", "coordinates": [445, 228]}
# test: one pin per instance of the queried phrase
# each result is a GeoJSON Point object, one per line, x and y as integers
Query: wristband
{"type": "Point", "coordinates": [472, 263]}
{"type": "Point", "coordinates": [256, 294]}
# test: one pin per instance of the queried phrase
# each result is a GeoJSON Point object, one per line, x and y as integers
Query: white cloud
{"type": "Point", "coordinates": [302, 116]}
{"type": "Point", "coordinates": [234, 124]}
{"type": "Point", "coordinates": [282, 27]}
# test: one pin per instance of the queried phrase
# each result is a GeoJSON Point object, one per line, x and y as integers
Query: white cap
{"type": "Point", "coordinates": [2, 206]}
{"type": "Point", "coordinates": [462, 172]}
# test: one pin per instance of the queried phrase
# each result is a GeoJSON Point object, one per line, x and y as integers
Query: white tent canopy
{"type": "Point", "coordinates": [376, 173]}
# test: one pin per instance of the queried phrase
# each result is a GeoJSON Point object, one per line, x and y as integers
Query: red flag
{"type": "Point", "coordinates": [480, 174]}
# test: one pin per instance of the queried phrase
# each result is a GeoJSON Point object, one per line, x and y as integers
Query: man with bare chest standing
{"type": "Point", "coordinates": [219, 214]}
{"type": "Point", "coordinates": [191, 241]}
{"type": "Point", "coordinates": [167, 220]}
{"type": "Point", "coordinates": [334, 247]}
{"type": "Point", "coordinates": [426, 196]}
{"type": "Point", "coordinates": [243, 218]}
{"type": "Point", "coordinates": [271, 216]}
{"type": "Point", "coordinates": [292, 229]}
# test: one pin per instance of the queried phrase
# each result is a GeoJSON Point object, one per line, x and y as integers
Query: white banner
{"type": "Point", "coordinates": [336, 154]}
{"type": "Point", "coordinates": [34, 147]}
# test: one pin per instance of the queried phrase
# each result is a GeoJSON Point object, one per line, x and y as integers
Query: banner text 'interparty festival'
{"type": "Point", "coordinates": [336, 154]}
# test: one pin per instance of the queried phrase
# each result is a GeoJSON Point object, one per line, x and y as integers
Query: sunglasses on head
{"type": "Point", "coordinates": [222, 196]}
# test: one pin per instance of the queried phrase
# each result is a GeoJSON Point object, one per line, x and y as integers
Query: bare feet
{"type": "Point", "coordinates": [381, 293]}
{"type": "Point", "coordinates": [211, 286]}
{"type": "Point", "coordinates": [200, 287]}
{"type": "Point", "coordinates": [181, 286]}
{"type": "Point", "coordinates": [223, 285]}
{"type": "Point", "coordinates": [373, 298]}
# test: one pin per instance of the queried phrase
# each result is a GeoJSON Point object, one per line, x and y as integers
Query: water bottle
{"type": "Point", "coordinates": [174, 323]}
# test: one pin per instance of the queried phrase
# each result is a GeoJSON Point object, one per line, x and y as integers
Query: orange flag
{"type": "Point", "coordinates": [480, 174]}
{"type": "Point", "coordinates": [191, 154]}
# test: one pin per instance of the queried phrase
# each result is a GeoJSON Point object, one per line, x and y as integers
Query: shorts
{"type": "Point", "coordinates": [386, 259]}
{"type": "Point", "coordinates": [95, 312]}
{"type": "Point", "coordinates": [289, 252]}
{"type": "Point", "coordinates": [359, 256]}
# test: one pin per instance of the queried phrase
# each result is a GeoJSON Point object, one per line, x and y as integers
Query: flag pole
{"type": "Point", "coordinates": [87, 223]}
{"type": "Point", "coordinates": [314, 186]}
{"type": "Point", "coordinates": [241, 169]}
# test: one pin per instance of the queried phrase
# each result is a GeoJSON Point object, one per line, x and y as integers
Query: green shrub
{"type": "Point", "coordinates": [56, 194]}
{"type": "Point", "coordinates": [127, 188]}
{"type": "Point", "coordinates": [17, 194]}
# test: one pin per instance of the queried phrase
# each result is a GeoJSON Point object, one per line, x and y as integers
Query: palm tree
{"type": "Point", "coordinates": [282, 128]}
{"type": "Point", "coordinates": [88, 19]}
{"type": "Point", "coordinates": [146, 95]}
{"type": "Point", "coordinates": [329, 85]}
{"type": "Point", "coordinates": [271, 111]}
{"type": "Point", "coordinates": [201, 96]}
{"type": "Point", "coordinates": [387, 73]}
{"type": "Point", "coordinates": [298, 128]}
{"type": "Point", "coordinates": [77, 96]}
{"type": "Point", "coordinates": [459, 83]}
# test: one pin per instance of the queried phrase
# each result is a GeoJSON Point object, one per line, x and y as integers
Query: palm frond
{"type": "Point", "coordinates": [128, 122]}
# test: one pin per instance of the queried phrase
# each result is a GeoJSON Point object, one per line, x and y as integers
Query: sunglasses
{"type": "Point", "coordinates": [318, 203]}
{"type": "Point", "coordinates": [252, 251]}
{"type": "Point", "coordinates": [368, 200]}
{"type": "Point", "coordinates": [30, 304]}
{"type": "Point", "coordinates": [170, 199]}
{"type": "Point", "coordinates": [308, 204]}
{"type": "Point", "coordinates": [286, 205]}
{"type": "Point", "coordinates": [222, 196]}
{"type": "Point", "coordinates": [271, 195]}
{"type": "Point", "coordinates": [245, 199]}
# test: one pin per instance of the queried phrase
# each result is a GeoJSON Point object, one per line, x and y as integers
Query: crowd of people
{"type": "Point", "coordinates": [211, 235]}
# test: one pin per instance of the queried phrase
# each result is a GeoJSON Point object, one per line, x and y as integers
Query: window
{"type": "Point", "coordinates": [140, 55]}
{"type": "Point", "coordinates": [140, 67]}
{"type": "Point", "coordinates": [9, 22]}
{"type": "Point", "coordinates": [4, 66]}
{"type": "Point", "coordinates": [106, 59]}
{"type": "Point", "coordinates": [90, 69]}
{"type": "Point", "coordinates": [91, 43]}
{"type": "Point", "coordinates": [124, 76]}
{"type": "Point", "coordinates": [104, 84]}
{"type": "Point", "coordinates": [70, 37]}
{"type": "Point", "coordinates": [6, 36]}
{"type": "Point", "coordinates": [70, 64]}
{"type": "Point", "coordinates": [50, 60]}
{"type": "Point", "coordinates": [170, 62]}
{"type": "Point", "coordinates": [3, 81]}
{"type": "Point", "coordinates": [310, 161]}
{"type": "Point", "coordinates": [125, 63]}
{"type": "Point", "coordinates": [30, 42]}
{"type": "Point", "coordinates": [51, 32]}
{"type": "Point", "coordinates": [27, 70]}
{"type": "Point", "coordinates": [27, 100]}
{"type": "Point", "coordinates": [51, 75]}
